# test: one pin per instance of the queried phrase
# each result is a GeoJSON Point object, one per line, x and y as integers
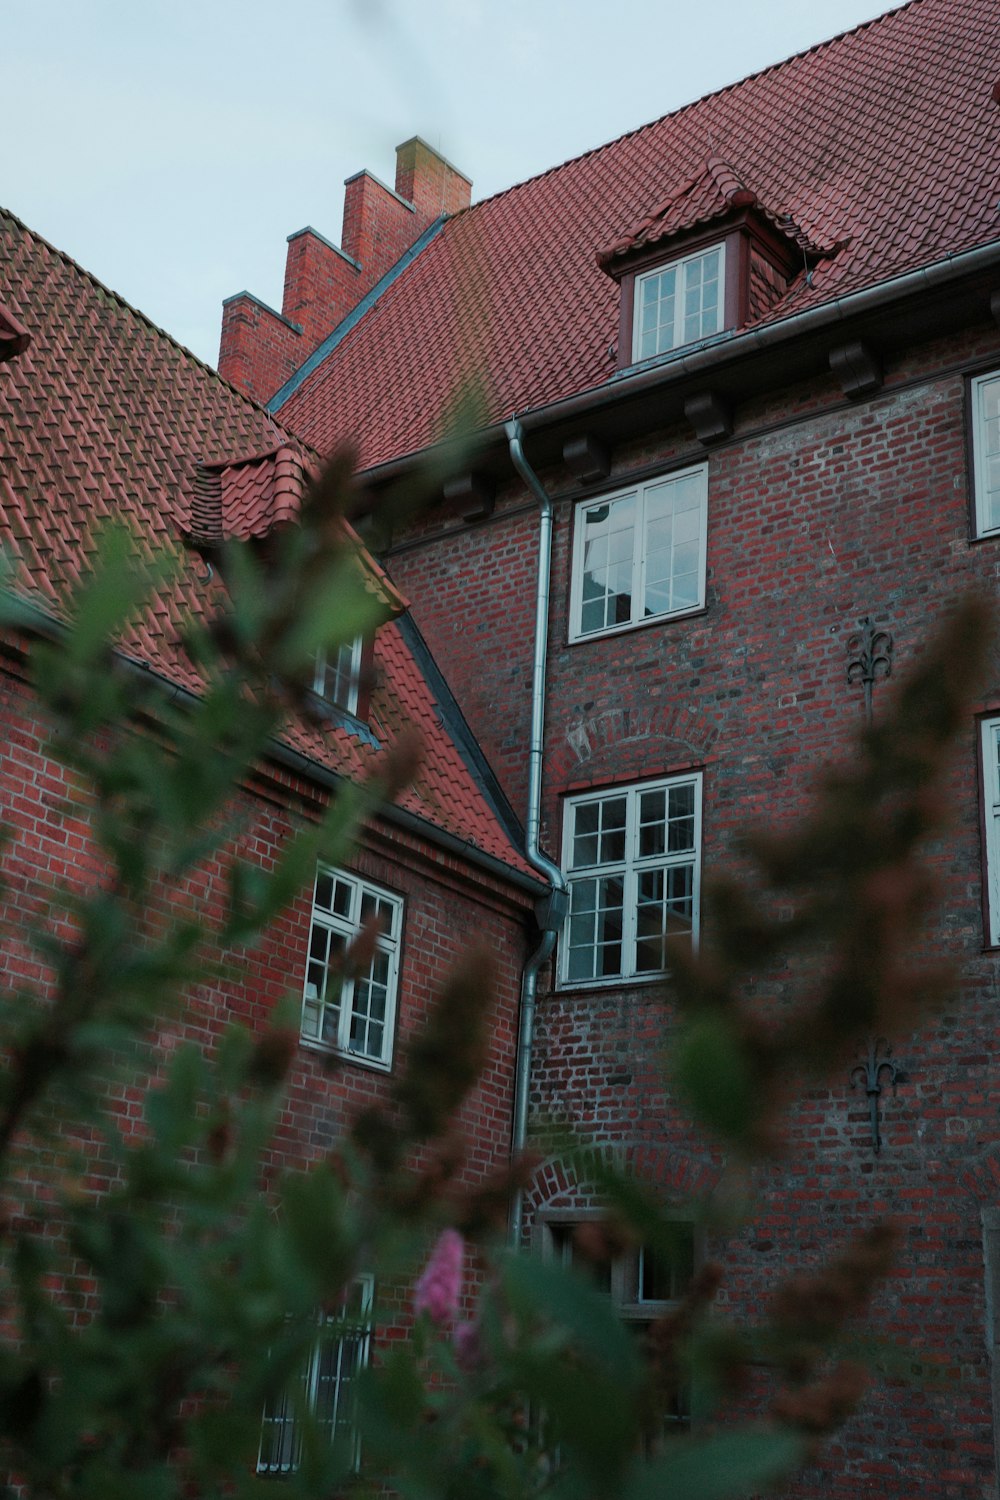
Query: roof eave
{"type": "Point", "coordinates": [961, 279]}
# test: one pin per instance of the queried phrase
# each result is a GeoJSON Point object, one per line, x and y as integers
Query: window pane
{"type": "Point", "coordinates": [652, 824]}
{"type": "Point", "coordinates": [664, 913]}
{"type": "Point", "coordinates": [368, 1011]}
{"type": "Point", "coordinates": [324, 891]}
{"type": "Point", "coordinates": [702, 302]}
{"type": "Point", "coordinates": [672, 533]}
{"type": "Point", "coordinates": [681, 827]}
{"type": "Point", "coordinates": [666, 1275]}
{"type": "Point", "coordinates": [657, 312]}
{"type": "Point", "coordinates": [595, 927]}
{"type": "Point", "coordinates": [608, 546]}
{"type": "Point", "coordinates": [587, 822]}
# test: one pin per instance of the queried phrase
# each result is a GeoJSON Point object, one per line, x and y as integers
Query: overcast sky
{"type": "Point", "coordinates": [170, 146]}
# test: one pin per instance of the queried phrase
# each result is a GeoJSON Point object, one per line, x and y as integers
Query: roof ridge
{"type": "Point", "coordinates": [137, 312]}
{"type": "Point", "coordinates": [727, 88]}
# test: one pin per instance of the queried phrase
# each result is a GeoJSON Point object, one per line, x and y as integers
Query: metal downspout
{"type": "Point", "coordinates": [551, 918]}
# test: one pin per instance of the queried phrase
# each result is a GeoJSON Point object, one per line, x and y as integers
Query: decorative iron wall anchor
{"type": "Point", "coordinates": [872, 659]}
{"type": "Point", "coordinates": [869, 1074]}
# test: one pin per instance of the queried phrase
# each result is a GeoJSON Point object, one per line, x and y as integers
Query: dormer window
{"type": "Point", "coordinates": [679, 303]}
{"type": "Point", "coordinates": [337, 677]}
{"type": "Point", "coordinates": [710, 257]}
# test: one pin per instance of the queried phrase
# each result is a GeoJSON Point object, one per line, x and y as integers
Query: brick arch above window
{"type": "Point", "coordinates": [675, 1174]}
{"type": "Point", "coordinates": [629, 744]}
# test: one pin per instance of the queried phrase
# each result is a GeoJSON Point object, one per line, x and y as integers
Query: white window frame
{"type": "Point", "coordinates": [281, 1424]}
{"type": "Point", "coordinates": [643, 498]}
{"type": "Point", "coordinates": [345, 994]}
{"type": "Point", "coordinates": [673, 336]}
{"type": "Point", "coordinates": [346, 668]}
{"type": "Point", "coordinates": [980, 388]}
{"type": "Point", "coordinates": [990, 742]}
{"type": "Point", "coordinates": [631, 867]}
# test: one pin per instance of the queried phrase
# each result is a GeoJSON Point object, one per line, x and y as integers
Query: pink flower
{"type": "Point", "coordinates": [437, 1292]}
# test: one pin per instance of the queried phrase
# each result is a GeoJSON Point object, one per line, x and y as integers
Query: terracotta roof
{"type": "Point", "coordinates": [14, 338]}
{"type": "Point", "coordinates": [104, 416]}
{"type": "Point", "coordinates": [247, 497]}
{"type": "Point", "coordinates": [886, 137]}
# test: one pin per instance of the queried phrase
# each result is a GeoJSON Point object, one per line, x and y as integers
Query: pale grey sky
{"type": "Point", "coordinates": [170, 146]}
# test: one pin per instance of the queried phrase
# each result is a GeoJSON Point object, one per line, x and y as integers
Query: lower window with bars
{"type": "Point", "coordinates": [323, 1395]}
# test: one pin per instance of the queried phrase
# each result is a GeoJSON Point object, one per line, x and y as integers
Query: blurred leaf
{"type": "Point", "coordinates": [735, 1463]}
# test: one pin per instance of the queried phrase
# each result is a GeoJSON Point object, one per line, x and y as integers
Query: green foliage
{"type": "Point", "coordinates": [152, 1309]}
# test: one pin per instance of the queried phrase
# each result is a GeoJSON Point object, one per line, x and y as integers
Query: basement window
{"type": "Point", "coordinates": [644, 1284]}
{"type": "Point", "coordinates": [349, 1002]}
{"type": "Point", "coordinates": [321, 1399]}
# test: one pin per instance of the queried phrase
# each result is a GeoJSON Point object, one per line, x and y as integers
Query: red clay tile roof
{"type": "Point", "coordinates": [103, 416]}
{"type": "Point", "coordinates": [14, 338]}
{"type": "Point", "coordinates": [249, 496]}
{"type": "Point", "coordinates": [886, 137]}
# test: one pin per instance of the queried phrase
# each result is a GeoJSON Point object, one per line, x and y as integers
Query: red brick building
{"type": "Point", "coordinates": [104, 416]}
{"type": "Point", "coordinates": [745, 363]}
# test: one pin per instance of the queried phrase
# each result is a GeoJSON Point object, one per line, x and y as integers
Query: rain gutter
{"type": "Point", "coordinates": [552, 912]}
{"type": "Point", "coordinates": [708, 357]}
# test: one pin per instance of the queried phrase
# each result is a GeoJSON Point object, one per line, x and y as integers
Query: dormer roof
{"type": "Point", "coordinates": [712, 195]}
{"type": "Point", "coordinates": [250, 496]}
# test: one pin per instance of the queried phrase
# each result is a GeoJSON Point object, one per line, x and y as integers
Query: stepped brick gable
{"type": "Point", "coordinates": [261, 348]}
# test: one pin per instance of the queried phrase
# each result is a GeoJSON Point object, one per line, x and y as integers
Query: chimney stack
{"type": "Point", "coordinates": [261, 348]}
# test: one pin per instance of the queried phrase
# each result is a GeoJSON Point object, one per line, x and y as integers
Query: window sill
{"type": "Point", "coordinates": [371, 1063]}
{"type": "Point", "coordinates": [613, 630]}
{"type": "Point", "coordinates": [590, 986]}
{"type": "Point", "coordinates": [342, 718]}
{"type": "Point", "coordinates": [670, 356]}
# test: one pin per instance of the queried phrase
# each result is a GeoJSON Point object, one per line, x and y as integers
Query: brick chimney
{"type": "Point", "coordinates": [260, 348]}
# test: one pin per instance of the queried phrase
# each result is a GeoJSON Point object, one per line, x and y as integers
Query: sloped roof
{"type": "Point", "coordinates": [885, 140]}
{"type": "Point", "coordinates": [103, 416]}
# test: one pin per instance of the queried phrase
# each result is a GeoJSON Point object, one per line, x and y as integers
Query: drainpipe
{"type": "Point", "coordinates": [552, 910]}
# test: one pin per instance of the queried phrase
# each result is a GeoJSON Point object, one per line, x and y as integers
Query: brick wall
{"type": "Point", "coordinates": [448, 905]}
{"type": "Point", "coordinates": [821, 511]}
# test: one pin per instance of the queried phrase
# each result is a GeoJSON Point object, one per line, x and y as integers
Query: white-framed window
{"type": "Point", "coordinates": [644, 1284]}
{"type": "Point", "coordinates": [349, 1004]}
{"type": "Point", "coordinates": [639, 554]}
{"type": "Point", "coordinates": [679, 303]}
{"type": "Point", "coordinates": [337, 675]}
{"type": "Point", "coordinates": [985, 400]}
{"type": "Point", "coordinates": [323, 1393]}
{"type": "Point", "coordinates": [990, 730]}
{"type": "Point", "coordinates": [632, 861]}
